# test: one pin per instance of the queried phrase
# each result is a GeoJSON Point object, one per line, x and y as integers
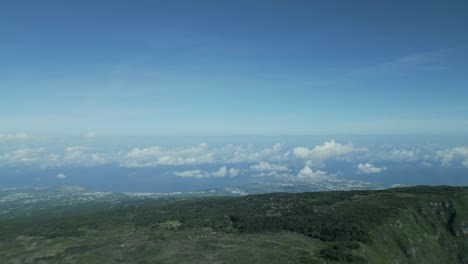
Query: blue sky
{"type": "Point", "coordinates": [184, 95]}
{"type": "Point", "coordinates": [233, 67]}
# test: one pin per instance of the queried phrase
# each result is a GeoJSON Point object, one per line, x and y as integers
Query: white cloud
{"type": "Point", "coordinates": [14, 137]}
{"type": "Point", "coordinates": [201, 154]}
{"type": "Point", "coordinates": [147, 157]}
{"type": "Point", "coordinates": [233, 172]}
{"type": "Point", "coordinates": [447, 157]}
{"type": "Point", "coordinates": [79, 155]}
{"type": "Point", "coordinates": [426, 164]}
{"type": "Point", "coordinates": [23, 155]}
{"type": "Point", "coordinates": [265, 166]}
{"type": "Point", "coordinates": [277, 174]}
{"type": "Point", "coordinates": [61, 176]}
{"type": "Point", "coordinates": [241, 154]}
{"type": "Point", "coordinates": [308, 174]}
{"type": "Point", "coordinates": [261, 160]}
{"type": "Point", "coordinates": [221, 172]}
{"type": "Point", "coordinates": [403, 155]}
{"type": "Point", "coordinates": [368, 168]}
{"type": "Point", "coordinates": [190, 173]}
{"type": "Point", "coordinates": [74, 153]}
{"type": "Point", "coordinates": [328, 149]}
{"type": "Point", "coordinates": [156, 156]}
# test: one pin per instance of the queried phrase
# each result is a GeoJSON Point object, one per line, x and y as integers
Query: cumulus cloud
{"type": "Point", "coordinates": [449, 156]}
{"type": "Point", "coordinates": [221, 172]}
{"type": "Point", "coordinates": [71, 156]}
{"type": "Point", "coordinates": [200, 154]}
{"type": "Point", "coordinates": [79, 155]}
{"type": "Point", "coordinates": [190, 173]}
{"type": "Point", "coordinates": [328, 149]}
{"type": "Point", "coordinates": [277, 174]}
{"type": "Point", "coordinates": [156, 156]}
{"type": "Point", "coordinates": [273, 160]}
{"type": "Point", "coordinates": [403, 155]}
{"type": "Point", "coordinates": [240, 154]}
{"type": "Point", "coordinates": [74, 152]}
{"type": "Point", "coordinates": [23, 155]}
{"type": "Point", "coordinates": [14, 137]}
{"type": "Point", "coordinates": [265, 166]}
{"type": "Point", "coordinates": [149, 156]}
{"type": "Point", "coordinates": [307, 173]}
{"type": "Point", "coordinates": [368, 168]}
{"type": "Point", "coordinates": [426, 164]}
{"type": "Point", "coordinates": [233, 172]}
{"type": "Point", "coordinates": [60, 176]}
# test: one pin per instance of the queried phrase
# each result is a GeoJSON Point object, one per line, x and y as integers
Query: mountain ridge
{"type": "Point", "coordinates": [422, 224]}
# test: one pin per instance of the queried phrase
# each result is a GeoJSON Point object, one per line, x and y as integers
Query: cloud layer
{"type": "Point", "coordinates": [276, 160]}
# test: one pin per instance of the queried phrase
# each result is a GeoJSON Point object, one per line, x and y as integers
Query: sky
{"type": "Point", "coordinates": [188, 95]}
{"type": "Point", "coordinates": [233, 67]}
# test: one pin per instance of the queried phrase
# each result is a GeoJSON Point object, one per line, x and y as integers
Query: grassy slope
{"type": "Point", "coordinates": [407, 225]}
{"type": "Point", "coordinates": [431, 229]}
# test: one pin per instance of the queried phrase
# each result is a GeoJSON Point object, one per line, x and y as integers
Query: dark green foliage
{"type": "Point", "coordinates": [342, 252]}
{"type": "Point", "coordinates": [342, 220]}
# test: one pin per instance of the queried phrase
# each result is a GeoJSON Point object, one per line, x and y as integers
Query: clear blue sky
{"type": "Point", "coordinates": [233, 67]}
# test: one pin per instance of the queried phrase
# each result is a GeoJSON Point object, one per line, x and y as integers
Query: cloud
{"type": "Point", "coordinates": [233, 172]}
{"type": "Point", "coordinates": [308, 174]}
{"type": "Point", "coordinates": [368, 168]}
{"type": "Point", "coordinates": [449, 156]}
{"type": "Point", "coordinates": [328, 149]}
{"type": "Point", "coordinates": [277, 174]}
{"type": "Point", "coordinates": [71, 156]}
{"type": "Point", "coordinates": [148, 156]}
{"type": "Point", "coordinates": [200, 154]}
{"type": "Point", "coordinates": [259, 160]}
{"type": "Point", "coordinates": [190, 173]}
{"type": "Point", "coordinates": [426, 164]}
{"type": "Point", "coordinates": [403, 155]}
{"type": "Point", "coordinates": [78, 155]}
{"type": "Point", "coordinates": [14, 137]}
{"type": "Point", "coordinates": [61, 176]}
{"type": "Point", "coordinates": [221, 172]}
{"type": "Point", "coordinates": [240, 154]}
{"type": "Point", "coordinates": [74, 153]}
{"type": "Point", "coordinates": [265, 166]}
{"type": "Point", "coordinates": [156, 156]}
{"type": "Point", "coordinates": [23, 155]}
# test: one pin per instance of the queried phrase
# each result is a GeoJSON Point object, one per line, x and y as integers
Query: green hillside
{"type": "Point", "coordinates": [402, 225]}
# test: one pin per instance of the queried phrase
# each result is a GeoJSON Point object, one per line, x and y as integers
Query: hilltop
{"type": "Point", "coordinates": [401, 225]}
